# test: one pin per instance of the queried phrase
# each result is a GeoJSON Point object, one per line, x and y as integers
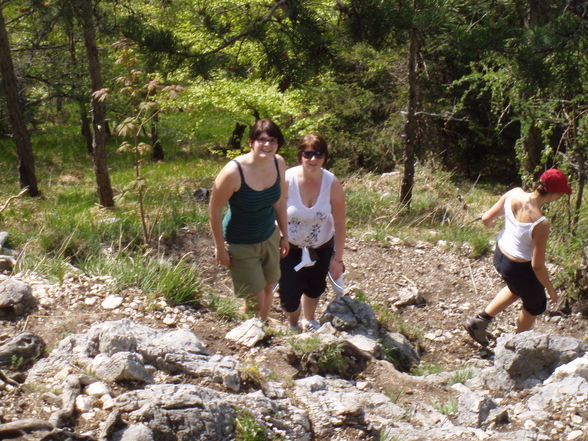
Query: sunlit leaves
{"type": "Point", "coordinates": [129, 127]}
{"type": "Point", "coordinates": [101, 95]}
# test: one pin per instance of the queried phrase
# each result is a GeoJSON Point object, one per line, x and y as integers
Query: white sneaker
{"type": "Point", "coordinates": [310, 325]}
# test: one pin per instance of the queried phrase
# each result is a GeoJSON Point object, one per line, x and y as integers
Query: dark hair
{"type": "Point", "coordinates": [315, 142]}
{"type": "Point", "coordinates": [268, 127]}
{"type": "Point", "coordinates": [540, 187]}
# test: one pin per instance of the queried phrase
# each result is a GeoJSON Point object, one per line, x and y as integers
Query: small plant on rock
{"type": "Point", "coordinates": [461, 376]}
{"type": "Point", "coordinates": [249, 428]}
{"type": "Point", "coordinates": [302, 346]}
{"type": "Point", "coordinates": [449, 407]}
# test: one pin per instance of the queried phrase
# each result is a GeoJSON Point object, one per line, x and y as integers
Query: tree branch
{"type": "Point", "coordinates": [5, 206]}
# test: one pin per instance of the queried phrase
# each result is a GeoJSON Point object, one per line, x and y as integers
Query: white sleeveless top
{"type": "Point", "coordinates": [516, 238]}
{"type": "Point", "coordinates": [309, 226]}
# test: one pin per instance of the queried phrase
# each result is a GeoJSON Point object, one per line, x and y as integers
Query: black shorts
{"type": "Point", "coordinates": [310, 280]}
{"type": "Point", "coordinates": [522, 282]}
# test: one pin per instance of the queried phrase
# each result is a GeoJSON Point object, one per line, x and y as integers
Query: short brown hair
{"type": "Point", "coordinates": [266, 126]}
{"type": "Point", "coordinates": [315, 142]}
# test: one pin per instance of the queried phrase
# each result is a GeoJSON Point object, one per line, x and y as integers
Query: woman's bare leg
{"type": "Point", "coordinates": [309, 306]}
{"type": "Point", "coordinates": [264, 302]}
{"type": "Point", "coordinates": [503, 299]}
{"type": "Point", "coordinates": [293, 317]}
{"type": "Point", "coordinates": [525, 321]}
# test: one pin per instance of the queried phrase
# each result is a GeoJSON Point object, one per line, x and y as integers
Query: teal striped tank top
{"type": "Point", "coordinates": [251, 216]}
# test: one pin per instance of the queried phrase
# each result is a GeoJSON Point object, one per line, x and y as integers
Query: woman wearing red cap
{"type": "Point", "coordinates": [520, 253]}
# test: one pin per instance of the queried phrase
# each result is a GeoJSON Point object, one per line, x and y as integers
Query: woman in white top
{"type": "Point", "coordinates": [520, 253]}
{"type": "Point", "coordinates": [316, 232]}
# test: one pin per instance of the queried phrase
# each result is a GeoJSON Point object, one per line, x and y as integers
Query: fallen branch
{"type": "Point", "coordinates": [20, 427]}
{"type": "Point", "coordinates": [7, 380]}
{"type": "Point", "coordinates": [11, 198]}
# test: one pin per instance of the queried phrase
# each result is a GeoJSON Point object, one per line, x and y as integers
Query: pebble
{"type": "Point", "coordinates": [97, 389]}
{"type": "Point", "coordinates": [90, 301]}
{"type": "Point", "coordinates": [112, 302]}
{"type": "Point", "coordinates": [575, 435]}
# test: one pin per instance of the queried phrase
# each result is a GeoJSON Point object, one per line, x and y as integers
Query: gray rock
{"type": "Point", "coordinates": [187, 412]}
{"type": "Point", "coordinates": [177, 351]}
{"type": "Point", "coordinates": [351, 315]}
{"type": "Point", "coordinates": [367, 345]}
{"type": "Point", "coordinates": [337, 403]}
{"type": "Point", "coordinates": [20, 350]}
{"type": "Point", "coordinates": [550, 395]}
{"type": "Point", "coordinates": [123, 366]}
{"type": "Point", "coordinates": [3, 238]}
{"type": "Point", "coordinates": [400, 351]}
{"type": "Point", "coordinates": [407, 295]}
{"type": "Point", "coordinates": [248, 333]}
{"type": "Point", "coordinates": [474, 408]}
{"type": "Point", "coordinates": [136, 432]}
{"type": "Point", "coordinates": [7, 263]}
{"type": "Point", "coordinates": [527, 359]}
{"type": "Point", "coordinates": [16, 298]}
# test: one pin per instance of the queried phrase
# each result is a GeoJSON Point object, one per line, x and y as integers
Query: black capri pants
{"type": "Point", "coordinates": [522, 282]}
{"type": "Point", "coordinates": [309, 280]}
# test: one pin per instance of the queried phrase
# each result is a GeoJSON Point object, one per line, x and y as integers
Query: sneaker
{"type": "Point", "coordinates": [476, 327]}
{"type": "Point", "coordinates": [310, 325]}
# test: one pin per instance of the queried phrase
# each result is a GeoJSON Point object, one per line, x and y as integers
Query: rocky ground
{"type": "Point", "coordinates": [452, 286]}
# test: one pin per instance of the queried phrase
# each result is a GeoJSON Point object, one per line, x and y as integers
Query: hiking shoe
{"type": "Point", "coordinates": [310, 325]}
{"type": "Point", "coordinates": [476, 327]}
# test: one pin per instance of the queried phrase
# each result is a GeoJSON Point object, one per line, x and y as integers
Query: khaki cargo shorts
{"type": "Point", "coordinates": [254, 266]}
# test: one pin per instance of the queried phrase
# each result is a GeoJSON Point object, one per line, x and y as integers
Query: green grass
{"type": "Point", "coordinates": [178, 282]}
{"type": "Point", "coordinates": [461, 376]}
{"type": "Point", "coordinates": [249, 428]}
{"type": "Point", "coordinates": [425, 368]}
{"type": "Point", "coordinates": [449, 407]}
{"type": "Point", "coordinates": [302, 346]}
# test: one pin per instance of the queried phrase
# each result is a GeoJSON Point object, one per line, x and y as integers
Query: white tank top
{"type": "Point", "coordinates": [516, 238]}
{"type": "Point", "coordinates": [309, 226]}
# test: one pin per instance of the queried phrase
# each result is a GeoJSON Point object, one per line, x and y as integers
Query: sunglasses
{"type": "Point", "coordinates": [308, 154]}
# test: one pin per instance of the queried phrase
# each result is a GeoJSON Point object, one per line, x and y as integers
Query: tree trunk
{"type": "Point", "coordinates": [157, 153]}
{"type": "Point", "coordinates": [411, 123]}
{"type": "Point", "coordinates": [86, 130]}
{"type": "Point", "coordinates": [533, 145]}
{"type": "Point", "coordinates": [20, 134]}
{"type": "Point", "coordinates": [105, 194]}
{"type": "Point", "coordinates": [236, 137]}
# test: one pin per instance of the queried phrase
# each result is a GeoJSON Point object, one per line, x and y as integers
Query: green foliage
{"type": "Point", "coordinates": [249, 428]}
{"type": "Point", "coordinates": [461, 376]}
{"type": "Point", "coordinates": [225, 307]}
{"type": "Point", "coordinates": [16, 362]}
{"type": "Point", "coordinates": [253, 373]}
{"type": "Point", "coordinates": [393, 321]}
{"type": "Point", "coordinates": [302, 346]}
{"type": "Point", "coordinates": [178, 282]}
{"type": "Point", "coordinates": [425, 368]}
{"type": "Point", "coordinates": [330, 359]}
{"type": "Point", "coordinates": [449, 407]}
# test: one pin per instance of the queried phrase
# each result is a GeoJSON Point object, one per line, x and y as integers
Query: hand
{"type": "Point", "coordinates": [336, 268]}
{"type": "Point", "coordinates": [222, 256]}
{"type": "Point", "coordinates": [284, 247]}
{"type": "Point", "coordinates": [553, 298]}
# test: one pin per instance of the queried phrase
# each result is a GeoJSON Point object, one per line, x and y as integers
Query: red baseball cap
{"type": "Point", "coordinates": [555, 181]}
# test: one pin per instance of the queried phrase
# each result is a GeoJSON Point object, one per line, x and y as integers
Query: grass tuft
{"type": "Point", "coordinates": [179, 282]}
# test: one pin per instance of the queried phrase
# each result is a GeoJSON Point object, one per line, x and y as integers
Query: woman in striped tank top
{"type": "Point", "coordinates": [253, 187]}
